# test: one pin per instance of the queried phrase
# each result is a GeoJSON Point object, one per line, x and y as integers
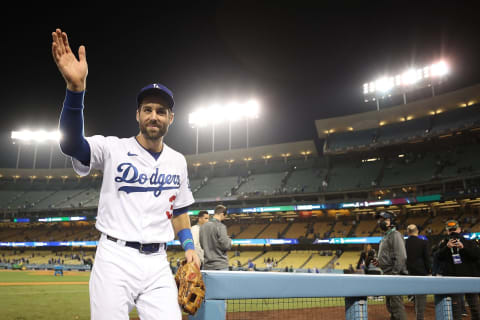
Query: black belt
{"type": "Point", "coordinates": [142, 247]}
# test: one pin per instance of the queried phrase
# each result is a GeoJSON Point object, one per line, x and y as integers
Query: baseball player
{"type": "Point", "coordinates": [144, 198]}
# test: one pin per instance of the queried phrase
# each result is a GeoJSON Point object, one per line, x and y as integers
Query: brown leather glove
{"type": "Point", "coordinates": [191, 289]}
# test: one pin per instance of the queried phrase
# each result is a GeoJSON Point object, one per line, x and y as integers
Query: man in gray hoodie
{"type": "Point", "coordinates": [215, 241]}
{"type": "Point", "coordinates": [392, 258]}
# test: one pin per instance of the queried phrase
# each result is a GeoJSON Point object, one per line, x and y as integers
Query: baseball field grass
{"type": "Point", "coordinates": [39, 295]}
{"type": "Point", "coordinates": [26, 295]}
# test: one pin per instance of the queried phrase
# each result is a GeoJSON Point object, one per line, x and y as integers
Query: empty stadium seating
{"type": "Point", "coordinates": [296, 258]}
{"type": "Point", "coordinates": [458, 119]}
{"type": "Point", "coordinates": [306, 180]}
{"type": "Point", "coordinates": [217, 187]}
{"type": "Point", "coordinates": [264, 184]}
{"type": "Point", "coordinates": [273, 231]}
{"type": "Point", "coordinates": [350, 140]}
{"type": "Point", "coordinates": [347, 259]}
{"type": "Point", "coordinates": [351, 175]}
{"type": "Point", "coordinates": [241, 259]}
{"type": "Point", "coordinates": [297, 230]}
{"type": "Point", "coordinates": [364, 228]}
{"type": "Point", "coordinates": [404, 131]}
{"type": "Point", "coordinates": [411, 169]}
{"type": "Point", "coordinates": [318, 261]}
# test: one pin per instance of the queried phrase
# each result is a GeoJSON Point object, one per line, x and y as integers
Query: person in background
{"type": "Point", "coordinates": [418, 264]}
{"type": "Point", "coordinates": [391, 259]}
{"type": "Point", "coordinates": [215, 241]}
{"type": "Point", "coordinates": [460, 257]}
{"type": "Point", "coordinates": [202, 219]}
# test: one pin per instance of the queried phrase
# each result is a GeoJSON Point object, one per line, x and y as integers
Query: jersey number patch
{"type": "Point", "coordinates": [170, 213]}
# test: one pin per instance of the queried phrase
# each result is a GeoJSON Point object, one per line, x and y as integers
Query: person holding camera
{"type": "Point", "coordinates": [391, 259]}
{"type": "Point", "coordinates": [460, 256]}
{"type": "Point", "coordinates": [364, 263]}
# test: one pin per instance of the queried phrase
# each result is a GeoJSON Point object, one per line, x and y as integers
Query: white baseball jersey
{"type": "Point", "coordinates": [196, 241]}
{"type": "Point", "coordinates": [138, 193]}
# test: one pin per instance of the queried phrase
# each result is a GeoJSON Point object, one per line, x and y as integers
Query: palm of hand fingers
{"type": "Point", "coordinates": [71, 68]}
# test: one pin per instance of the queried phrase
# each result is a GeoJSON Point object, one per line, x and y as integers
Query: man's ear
{"type": "Point", "coordinates": [171, 116]}
{"type": "Point", "coordinates": [138, 115]}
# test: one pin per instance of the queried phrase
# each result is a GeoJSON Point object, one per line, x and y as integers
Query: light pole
{"type": "Point", "coordinates": [213, 137]}
{"type": "Point", "coordinates": [51, 156]}
{"type": "Point", "coordinates": [18, 154]}
{"type": "Point", "coordinates": [196, 120]}
{"type": "Point", "coordinates": [196, 146]}
{"type": "Point", "coordinates": [247, 132]}
{"type": "Point", "coordinates": [229, 134]}
{"type": "Point", "coordinates": [252, 109]}
{"type": "Point", "coordinates": [218, 114]}
{"type": "Point", "coordinates": [35, 155]}
{"type": "Point", "coordinates": [37, 137]}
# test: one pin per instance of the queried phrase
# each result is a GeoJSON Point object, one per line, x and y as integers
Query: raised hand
{"type": "Point", "coordinates": [73, 71]}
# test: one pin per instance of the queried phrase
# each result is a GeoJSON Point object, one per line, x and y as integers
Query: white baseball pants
{"type": "Point", "coordinates": [122, 278]}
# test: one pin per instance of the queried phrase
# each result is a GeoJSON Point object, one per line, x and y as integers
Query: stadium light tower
{"type": "Point", "coordinates": [218, 114]}
{"type": "Point", "coordinates": [37, 137]}
{"type": "Point", "coordinates": [410, 80]}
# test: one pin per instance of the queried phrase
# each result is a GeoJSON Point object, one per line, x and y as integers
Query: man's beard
{"type": "Point", "coordinates": [153, 135]}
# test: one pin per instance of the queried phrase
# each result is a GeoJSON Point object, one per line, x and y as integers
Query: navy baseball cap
{"type": "Point", "coordinates": [156, 89]}
{"type": "Point", "coordinates": [385, 215]}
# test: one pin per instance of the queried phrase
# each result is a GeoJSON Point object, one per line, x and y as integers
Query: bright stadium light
{"type": "Point", "coordinates": [218, 113]}
{"type": "Point", "coordinates": [384, 84]}
{"type": "Point", "coordinates": [233, 111]}
{"type": "Point", "coordinates": [39, 136]}
{"type": "Point", "coordinates": [411, 79]}
{"type": "Point", "coordinates": [439, 69]}
{"type": "Point", "coordinates": [252, 109]}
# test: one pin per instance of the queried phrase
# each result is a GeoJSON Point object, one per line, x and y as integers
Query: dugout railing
{"type": "Point", "coordinates": [273, 295]}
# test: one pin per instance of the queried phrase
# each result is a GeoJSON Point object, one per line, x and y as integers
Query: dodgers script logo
{"type": "Point", "coordinates": [157, 182]}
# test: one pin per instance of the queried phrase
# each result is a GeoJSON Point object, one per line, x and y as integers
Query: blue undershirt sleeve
{"type": "Point", "coordinates": [73, 142]}
{"type": "Point", "coordinates": [179, 211]}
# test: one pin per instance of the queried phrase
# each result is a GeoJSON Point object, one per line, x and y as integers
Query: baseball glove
{"type": "Point", "coordinates": [191, 289]}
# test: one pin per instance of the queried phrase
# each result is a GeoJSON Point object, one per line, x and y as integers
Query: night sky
{"type": "Point", "coordinates": [302, 61]}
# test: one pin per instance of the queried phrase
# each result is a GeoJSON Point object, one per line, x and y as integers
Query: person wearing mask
{"type": "Point", "coordinates": [392, 260]}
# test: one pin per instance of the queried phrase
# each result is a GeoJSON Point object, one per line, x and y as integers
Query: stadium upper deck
{"type": "Point", "coordinates": [444, 158]}
{"type": "Point", "coordinates": [416, 121]}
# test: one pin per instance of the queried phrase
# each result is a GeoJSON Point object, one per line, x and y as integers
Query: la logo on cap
{"type": "Point", "coordinates": [155, 85]}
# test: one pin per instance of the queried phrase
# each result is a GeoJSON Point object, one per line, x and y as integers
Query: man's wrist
{"type": "Point", "coordinates": [75, 87]}
{"type": "Point", "coordinates": [74, 99]}
{"type": "Point", "coordinates": [186, 239]}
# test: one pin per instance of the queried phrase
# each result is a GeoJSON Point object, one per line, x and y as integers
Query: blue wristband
{"type": "Point", "coordinates": [186, 239]}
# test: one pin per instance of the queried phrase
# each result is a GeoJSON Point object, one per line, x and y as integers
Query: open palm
{"type": "Point", "coordinates": [73, 71]}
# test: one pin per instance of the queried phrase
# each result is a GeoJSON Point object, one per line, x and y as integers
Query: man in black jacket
{"type": "Point", "coordinates": [460, 256]}
{"type": "Point", "coordinates": [418, 264]}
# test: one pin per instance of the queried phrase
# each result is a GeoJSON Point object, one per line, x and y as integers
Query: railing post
{"type": "Point", "coordinates": [211, 310]}
{"type": "Point", "coordinates": [356, 308]}
{"type": "Point", "coordinates": [443, 307]}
